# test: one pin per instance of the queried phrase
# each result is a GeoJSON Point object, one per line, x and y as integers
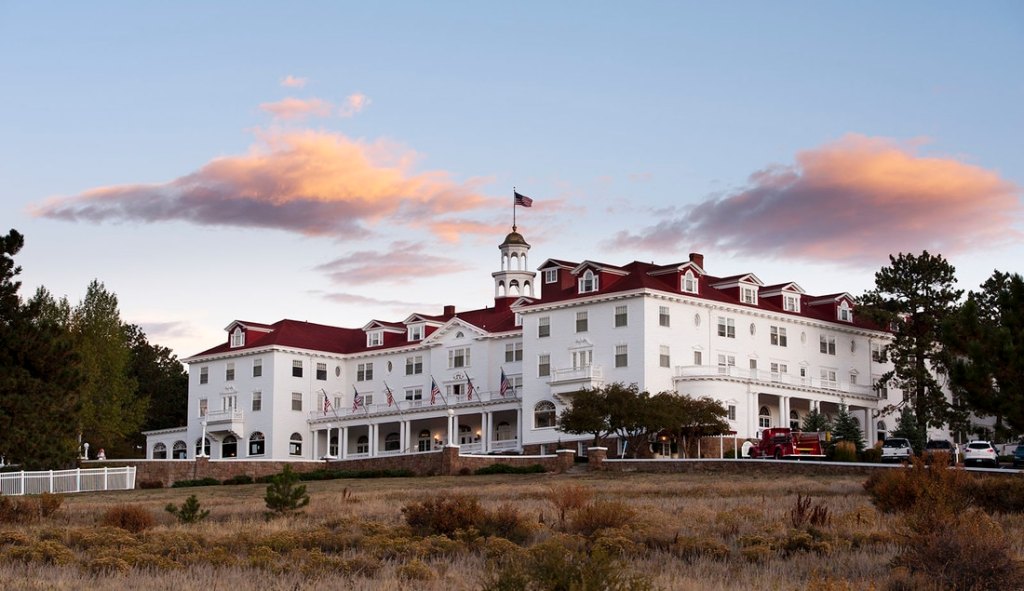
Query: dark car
{"type": "Point", "coordinates": [941, 446]}
{"type": "Point", "coordinates": [1018, 456]}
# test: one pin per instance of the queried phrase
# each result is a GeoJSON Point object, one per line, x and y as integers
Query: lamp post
{"type": "Point", "coordinates": [202, 441]}
{"type": "Point", "coordinates": [329, 455]}
{"type": "Point", "coordinates": [451, 424]}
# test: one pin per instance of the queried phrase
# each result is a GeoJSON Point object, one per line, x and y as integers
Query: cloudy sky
{"type": "Point", "coordinates": [341, 162]}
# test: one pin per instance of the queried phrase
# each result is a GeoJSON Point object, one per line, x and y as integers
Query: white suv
{"type": "Point", "coordinates": [982, 453]}
{"type": "Point", "coordinates": [896, 449]}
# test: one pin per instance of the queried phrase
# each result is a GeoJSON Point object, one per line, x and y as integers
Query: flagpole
{"type": "Point", "coordinates": [513, 208]}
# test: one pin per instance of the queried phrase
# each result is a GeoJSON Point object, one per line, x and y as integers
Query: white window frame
{"type": "Point", "coordinates": [551, 275]}
{"type": "Point", "coordinates": [582, 321]}
{"type": "Point", "coordinates": [748, 295]}
{"type": "Point", "coordinates": [726, 327]}
{"type": "Point", "coordinates": [621, 316]}
{"type": "Point", "coordinates": [459, 357]}
{"type": "Point", "coordinates": [364, 372]}
{"type": "Point", "coordinates": [229, 372]}
{"type": "Point", "coordinates": [257, 401]}
{"type": "Point", "coordinates": [845, 313]}
{"type": "Point", "coordinates": [297, 401]}
{"type": "Point", "coordinates": [543, 327]}
{"type": "Point", "coordinates": [414, 365]}
{"type": "Point", "coordinates": [588, 282]}
{"type": "Point", "coordinates": [374, 338]}
{"type": "Point", "coordinates": [237, 338]}
{"type": "Point", "coordinates": [664, 356]}
{"type": "Point", "coordinates": [257, 368]}
{"type": "Point", "coordinates": [664, 316]}
{"type": "Point", "coordinates": [827, 344]}
{"type": "Point", "coordinates": [778, 336]}
{"type": "Point", "coordinates": [297, 368]}
{"type": "Point", "coordinates": [622, 355]}
{"type": "Point", "coordinates": [321, 370]}
{"type": "Point", "coordinates": [204, 375]}
{"type": "Point", "coordinates": [513, 352]}
{"type": "Point", "coordinates": [689, 283]}
{"type": "Point", "coordinates": [790, 302]}
{"type": "Point", "coordinates": [416, 332]}
{"type": "Point", "coordinates": [543, 365]}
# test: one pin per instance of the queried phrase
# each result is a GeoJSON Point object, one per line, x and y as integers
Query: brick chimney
{"type": "Point", "coordinates": [697, 259]}
{"type": "Point", "coordinates": [449, 311]}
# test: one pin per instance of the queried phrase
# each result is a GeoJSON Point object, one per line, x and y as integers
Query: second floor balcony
{"type": "Point", "coordinates": [570, 379]}
{"type": "Point", "coordinates": [231, 420]}
{"type": "Point", "coordinates": [768, 379]}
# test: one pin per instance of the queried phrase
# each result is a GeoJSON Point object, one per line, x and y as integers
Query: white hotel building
{"type": "Point", "coordinates": [769, 353]}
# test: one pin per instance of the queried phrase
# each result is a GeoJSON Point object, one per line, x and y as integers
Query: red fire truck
{"type": "Point", "coordinates": [782, 442]}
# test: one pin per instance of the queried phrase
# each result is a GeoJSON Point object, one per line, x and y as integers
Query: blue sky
{"type": "Point", "coordinates": [340, 162]}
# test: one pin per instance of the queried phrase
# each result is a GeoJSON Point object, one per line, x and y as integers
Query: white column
{"type": "Point", "coordinates": [485, 432]}
{"type": "Point", "coordinates": [870, 428]}
{"type": "Point", "coordinates": [752, 420]}
{"type": "Point", "coordinates": [455, 430]}
{"type": "Point", "coordinates": [403, 436]}
{"type": "Point", "coordinates": [784, 411]}
{"type": "Point", "coordinates": [519, 426]}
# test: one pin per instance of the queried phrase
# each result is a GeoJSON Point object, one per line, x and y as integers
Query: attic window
{"type": "Point", "coordinates": [588, 282]}
{"type": "Point", "coordinates": [416, 332]}
{"type": "Point", "coordinates": [237, 338]}
{"type": "Point", "coordinates": [374, 338]}
{"type": "Point", "coordinates": [689, 282]}
{"type": "Point", "coordinates": [748, 295]}
{"type": "Point", "coordinates": [845, 313]}
{"type": "Point", "coordinates": [791, 303]}
{"type": "Point", "coordinates": [550, 275]}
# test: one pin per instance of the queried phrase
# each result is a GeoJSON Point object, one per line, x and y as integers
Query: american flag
{"type": "Point", "coordinates": [469, 388]}
{"type": "Point", "coordinates": [505, 385]}
{"type": "Point", "coordinates": [522, 200]}
{"type": "Point", "coordinates": [391, 397]}
{"type": "Point", "coordinates": [434, 391]}
{"type": "Point", "coordinates": [327, 403]}
{"type": "Point", "coordinates": [357, 400]}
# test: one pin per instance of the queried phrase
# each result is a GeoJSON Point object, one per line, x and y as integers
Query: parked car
{"type": "Point", "coordinates": [896, 449]}
{"type": "Point", "coordinates": [981, 453]}
{"type": "Point", "coordinates": [942, 446]}
{"type": "Point", "coordinates": [1018, 457]}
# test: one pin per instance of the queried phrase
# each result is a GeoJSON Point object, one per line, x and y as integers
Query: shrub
{"type": "Point", "coordinates": [942, 488]}
{"type": "Point", "coordinates": [507, 522]}
{"type": "Point", "coordinates": [590, 519]}
{"type": "Point", "coordinates": [189, 511]}
{"type": "Point", "coordinates": [239, 479]}
{"type": "Point", "coordinates": [198, 482]}
{"type": "Point", "coordinates": [510, 469]}
{"type": "Point", "coordinates": [444, 516]}
{"type": "Point", "coordinates": [144, 484]}
{"type": "Point", "coordinates": [29, 509]}
{"type": "Point", "coordinates": [871, 455]}
{"type": "Point", "coordinates": [416, 570]}
{"type": "Point", "coordinates": [845, 451]}
{"type": "Point", "coordinates": [563, 563]}
{"type": "Point", "coordinates": [133, 518]}
{"type": "Point", "coordinates": [569, 497]}
{"type": "Point", "coordinates": [283, 496]}
{"type": "Point", "coordinates": [108, 565]}
{"type": "Point", "coordinates": [803, 512]}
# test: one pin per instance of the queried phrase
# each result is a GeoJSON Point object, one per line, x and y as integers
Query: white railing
{"type": "Point", "coordinates": [504, 444]}
{"type": "Point", "coordinates": [67, 481]}
{"type": "Point", "coordinates": [576, 374]}
{"type": "Point", "coordinates": [770, 377]}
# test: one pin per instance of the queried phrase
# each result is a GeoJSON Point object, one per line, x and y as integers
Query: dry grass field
{"type": "Point", "coordinates": [537, 531]}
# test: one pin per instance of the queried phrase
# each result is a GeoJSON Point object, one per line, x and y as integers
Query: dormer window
{"type": "Point", "coordinates": [791, 303]}
{"type": "Point", "coordinates": [374, 338]}
{"type": "Point", "coordinates": [416, 332]}
{"type": "Point", "coordinates": [550, 275]}
{"type": "Point", "coordinates": [588, 282]}
{"type": "Point", "coordinates": [237, 338]}
{"type": "Point", "coordinates": [748, 295]}
{"type": "Point", "coordinates": [845, 313]}
{"type": "Point", "coordinates": [689, 282]}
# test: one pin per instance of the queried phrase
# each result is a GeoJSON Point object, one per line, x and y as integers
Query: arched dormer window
{"type": "Point", "coordinates": [237, 337]}
{"type": "Point", "coordinates": [544, 415]}
{"type": "Point", "coordinates": [845, 313]}
{"type": "Point", "coordinates": [588, 282]}
{"type": "Point", "coordinates": [689, 282]}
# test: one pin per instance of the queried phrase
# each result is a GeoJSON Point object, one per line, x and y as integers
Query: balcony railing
{"type": "Point", "coordinates": [692, 372]}
{"type": "Point", "coordinates": [576, 374]}
{"type": "Point", "coordinates": [413, 406]}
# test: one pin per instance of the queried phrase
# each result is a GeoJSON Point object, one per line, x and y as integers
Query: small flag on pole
{"type": "Point", "coordinates": [469, 388]}
{"type": "Point", "coordinates": [357, 400]}
{"type": "Point", "coordinates": [391, 397]}
{"type": "Point", "coordinates": [505, 385]}
{"type": "Point", "coordinates": [434, 391]}
{"type": "Point", "coordinates": [327, 402]}
{"type": "Point", "coordinates": [522, 200]}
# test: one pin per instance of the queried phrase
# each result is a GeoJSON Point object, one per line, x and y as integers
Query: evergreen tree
{"type": "Point", "coordinates": [816, 421]}
{"type": "Point", "coordinates": [846, 428]}
{"type": "Point", "coordinates": [284, 494]}
{"type": "Point", "coordinates": [162, 380]}
{"type": "Point", "coordinates": [908, 427]}
{"type": "Point", "coordinates": [984, 342]}
{"type": "Point", "coordinates": [914, 296]}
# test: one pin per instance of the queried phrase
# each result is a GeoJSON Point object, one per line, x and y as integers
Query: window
{"type": "Point", "coordinates": [794, 420]}
{"type": "Point", "coordinates": [203, 407]}
{"type": "Point", "coordinates": [878, 353]}
{"type": "Point", "coordinates": [621, 316]}
{"type": "Point", "coordinates": [581, 321]}
{"type": "Point", "coordinates": [257, 368]}
{"type": "Point", "coordinates": [413, 394]}
{"type": "Point", "coordinates": [582, 358]}
{"type": "Point", "coordinates": [764, 418]}
{"type": "Point", "coordinates": [543, 326]}
{"type": "Point", "coordinates": [179, 451]}
{"type": "Point", "coordinates": [203, 447]}
{"type": "Point", "coordinates": [828, 378]}
{"type": "Point", "coordinates": [827, 344]}
{"type": "Point", "coordinates": [725, 362]}
{"type": "Point", "coordinates": [748, 295]}
{"type": "Point", "coordinates": [544, 415]}
{"type": "Point", "coordinates": [204, 375]}
{"type": "Point", "coordinates": [296, 368]}
{"type": "Point", "coordinates": [257, 444]}
{"type": "Point", "coordinates": [229, 373]}
{"type": "Point", "coordinates": [416, 332]}
{"type": "Point", "coordinates": [229, 402]}
{"type": "Point", "coordinates": [364, 372]}
{"type": "Point", "coordinates": [392, 442]}
{"type": "Point", "coordinates": [160, 451]}
{"type": "Point", "coordinates": [698, 358]}
{"type": "Point", "coordinates": [229, 447]}
{"type": "Point", "coordinates": [363, 445]}
{"type": "Point", "coordinates": [237, 338]}
{"type": "Point", "coordinates": [791, 303]}
{"type": "Point", "coordinates": [321, 371]}
{"type": "Point", "coordinates": [543, 365]}
{"type": "Point", "coordinates": [513, 352]}
{"type": "Point", "coordinates": [296, 400]}
{"type": "Point", "coordinates": [550, 275]}
{"type": "Point", "coordinates": [458, 358]}
{"type": "Point", "coordinates": [731, 412]}
{"type": "Point", "coordinates": [455, 391]}
{"type": "Point", "coordinates": [726, 327]}
{"type": "Point", "coordinates": [881, 388]}
{"type": "Point", "coordinates": [664, 359]}
{"type": "Point", "coordinates": [588, 282]}
{"type": "Point", "coordinates": [414, 365]}
{"type": "Point", "coordinates": [689, 282]}
{"type": "Point", "coordinates": [374, 338]}
{"type": "Point", "coordinates": [519, 319]}
{"type": "Point", "coordinates": [778, 336]}
{"type": "Point", "coordinates": [257, 401]}
{"type": "Point", "coordinates": [621, 356]}
{"type": "Point", "coordinates": [845, 313]}
{"type": "Point", "coordinates": [295, 445]}
{"type": "Point", "coordinates": [853, 379]}
{"type": "Point", "coordinates": [663, 316]}
{"type": "Point", "coordinates": [778, 369]}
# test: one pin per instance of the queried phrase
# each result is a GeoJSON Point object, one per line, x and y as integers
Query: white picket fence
{"type": "Point", "coordinates": [67, 481]}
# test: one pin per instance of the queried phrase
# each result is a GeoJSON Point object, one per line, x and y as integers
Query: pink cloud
{"type": "Point", "coordinates": [354, 104]}
{"type": "Point", "coordinates": [311, 183]}
{"type": "Point", "coordinates": [402, 261]}
{"type": "Point", "coordinates": [290, 81]}
{"type": "Point", "coordinates": [296, 109]}
{"type": "Point", "coordinates": [852, 201]}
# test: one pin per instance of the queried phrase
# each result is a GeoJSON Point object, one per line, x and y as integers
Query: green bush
{"type": "Point", "coordinates": [189, 511]}
{"type": "Point", "coordinates": [239, 479]}
{"type": "Point", "coordinates": [199, 482]}
{"type": "Point", "coordinates": [284, 494]}
{"type": "Point", "coordinates": [510, 469]}
{"type": "Point", "coordinates": [872, 455]}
